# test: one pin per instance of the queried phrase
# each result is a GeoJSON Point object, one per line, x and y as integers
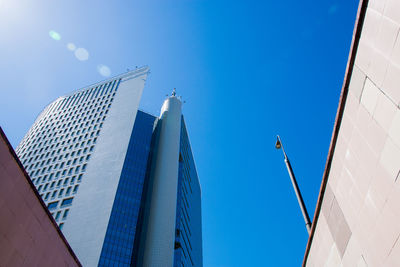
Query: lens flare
{"type": "Point", "coordinates": [55, 35]}
{"type": "Point", "coordinates": [81, 54]}
{"type": "Point", "coordinates": [104, 70]}
{"type": "Point", "coordinates": [71, 46]}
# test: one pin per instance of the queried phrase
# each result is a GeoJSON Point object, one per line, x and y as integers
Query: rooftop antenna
{"type": "Point", "coordinates": [174, 95]}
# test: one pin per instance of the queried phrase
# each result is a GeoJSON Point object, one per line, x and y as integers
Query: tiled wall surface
{"type": "Point", "coordinates": [28, 237]}
{"type": "Point", "coordinates": [359, 223]}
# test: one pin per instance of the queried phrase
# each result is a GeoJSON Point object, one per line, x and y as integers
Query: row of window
{"type": "Point", "coordinates": [77, 135]}
{"type": "Point", "coordinates": [58, 174]}
{"type": "Point", "coordinates": [64, 203]}
{"type": "Point", "coordinates": [63, 144]}
{"type": "Point", "coordinates": [42, 167]}
{"type": "Point", "coordinates": [63, 161]}
{"type": "Point", "coordinates": [61, 104]}
{"type": "Point", "coordinates": [57, 216]}
{"type": "Point", "coordinates": [60, 193]}
{"type": "Point", "coordinates": [72, 125]}
{"type": "Point", "coordinates": [67, 117]}
{"type": "Point", "coordinates": [45, 178]}
{"type": "Point", "coordinates": [62, 157]}
{"type": "Point", "coordinates": [52, 132]}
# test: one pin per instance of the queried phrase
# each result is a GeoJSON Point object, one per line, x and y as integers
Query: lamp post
{"type": "Point", "coordinates": [279, 145]}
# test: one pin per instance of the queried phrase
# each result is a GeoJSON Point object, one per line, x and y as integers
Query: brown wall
{"type": "Point", "coordinates": [28, 234]}
{"type": "Point", "coordinates": [359, 220]}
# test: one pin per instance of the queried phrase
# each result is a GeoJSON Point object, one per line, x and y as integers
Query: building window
{"type": "Point", "coordinates": [76, 189]}
{"type": "Point", "coordinates": [67, 202]}
{"type": "Point", "coordinates": [58, 215]}
{"type": "Point", "coordinates": [52, 205]}
{"type": "Point", "coordinates": [65, 214]}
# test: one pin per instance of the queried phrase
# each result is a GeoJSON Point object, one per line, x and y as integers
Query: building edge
{"type": "Point", "coordinates": [362, 8]}
{"type": "Point", "coordinates": [32, 186]}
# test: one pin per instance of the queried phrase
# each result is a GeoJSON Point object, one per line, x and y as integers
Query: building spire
{"type": "Point", "coordinates": [174, 92]}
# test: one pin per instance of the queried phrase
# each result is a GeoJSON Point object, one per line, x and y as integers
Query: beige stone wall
{"type": "Point", "coordinates": [359, 223]}
{"type": "Point", "coordinates": [28, 236]}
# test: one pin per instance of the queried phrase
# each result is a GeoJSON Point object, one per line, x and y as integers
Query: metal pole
{"type": "Point", "coordinates": [296, 188]}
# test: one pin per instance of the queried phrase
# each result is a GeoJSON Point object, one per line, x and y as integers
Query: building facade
{"type": "Point", "coordinates": [356, 222]}
{"type": "Point", "coordinates": [120, 183]}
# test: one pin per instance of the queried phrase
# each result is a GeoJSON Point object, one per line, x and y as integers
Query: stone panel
{"type": "Point", "coordinates": [360, 212]}
{"type": "Point", "coordinates": [357, 82]}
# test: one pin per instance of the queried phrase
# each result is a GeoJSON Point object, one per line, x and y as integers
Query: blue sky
{"type": "Point", "coordinates": [248, 70]}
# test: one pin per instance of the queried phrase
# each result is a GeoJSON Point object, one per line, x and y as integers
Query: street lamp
{"type": "Point", "coordinates": [279, 145]}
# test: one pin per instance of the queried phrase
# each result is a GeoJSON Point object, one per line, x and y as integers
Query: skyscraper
{"type": "Point", "coordinates": [121, 183]}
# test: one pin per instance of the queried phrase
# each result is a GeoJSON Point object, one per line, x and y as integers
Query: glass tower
{"type": "Point", "coordinates": [105, 169]}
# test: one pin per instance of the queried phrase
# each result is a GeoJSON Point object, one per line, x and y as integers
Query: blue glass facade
{"type": "Point", "coordinates": [127, 217]}
{"type": "Point", "coordinates": [118, 244]}
{"type": "Point", "coordinates": [188, 235]}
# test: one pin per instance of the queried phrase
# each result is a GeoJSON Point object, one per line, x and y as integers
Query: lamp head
{"type": "Point", "coordinates": [278, 144]}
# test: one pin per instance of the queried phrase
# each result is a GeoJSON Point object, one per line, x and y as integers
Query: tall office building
{"type": "Point", "coordinates": [121, 184]}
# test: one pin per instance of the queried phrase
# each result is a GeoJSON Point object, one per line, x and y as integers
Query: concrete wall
{"type": "Point", "coordinates": [28, 234]}
{"type": "Point", "coordinates": [359, 222]}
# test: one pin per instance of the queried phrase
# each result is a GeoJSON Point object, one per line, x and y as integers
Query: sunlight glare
{"type": "Point", "coordinates": [55, 35]}
{"type": "Point", "coordinates": [104, 70]}
{"type": "Point", "coordinates": [81, 54]}
{"type": "Point", "coordinates": [71, 46]}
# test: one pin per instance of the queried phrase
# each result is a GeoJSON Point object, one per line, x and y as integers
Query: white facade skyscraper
{"type": "Point", "coordinates": [121, 183]}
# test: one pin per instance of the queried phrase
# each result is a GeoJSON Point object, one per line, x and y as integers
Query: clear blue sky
{"type": "Point", "coordinates": [248, 70]}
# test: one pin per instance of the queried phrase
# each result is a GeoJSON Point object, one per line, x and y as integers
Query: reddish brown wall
{"type": "Point", "coordinates": [28, 234]}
